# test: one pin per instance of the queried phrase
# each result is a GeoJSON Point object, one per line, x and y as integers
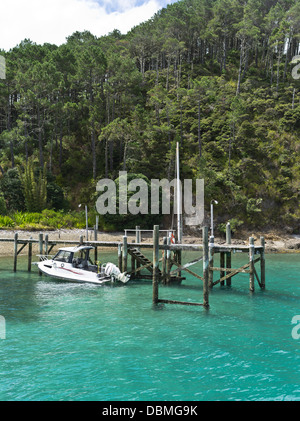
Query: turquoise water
{"type": "Point", "coordinates": [82, 342]}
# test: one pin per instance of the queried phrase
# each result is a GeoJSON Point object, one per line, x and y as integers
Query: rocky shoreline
{"type": "Point", "coordinates": [275, 242]}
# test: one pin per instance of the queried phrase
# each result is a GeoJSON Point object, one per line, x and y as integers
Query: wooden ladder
{"type": "Point", "coordinates": [142, 259]}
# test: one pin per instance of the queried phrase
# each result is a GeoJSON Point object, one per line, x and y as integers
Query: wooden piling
{"type": "Point", "coordinates": [137, 234]}
{"type": "Point", "coordinates": [262, 264]}
{"type": "Point", "coordinates": [168, 262]}
{"type": "Point", "coordinates": [228, 266]}
{"type": "Point", "coordinates": [228, 233]}
{"type": "Point", "coordinates": [120, 256]}
{"type": "Point", "coordinates": [211, 260]}
{"type": "Point", "coordinates": [205, 266]}
{"type": "Point", "coordinates": [138, 240]}
{"type": "Point", "coordinates": [155, 263]}
{"type": "Point", "coordinates": [251, 263]}
{"type": "Point", "coordinates": [133, 261]}
{"type": "Point", "coordinates": [228, 254]}
{"type": "Point", "coordinates": [29, 255]}
{"type": "Point", "coordinates": [124, 254]}
{"type": "Point", "coordinates": [222, 265]}
{"type": "Point", "coordinates": [46, 244]}
{"type": "Point", "coordinates": [15, 251]}
{"type": "Point", "coordinates": [164, 261]}
{"type": "Point", "coordinates": [40, 248]}
{"type": "Point", "coordinates": [96, 239]}
{"type": "Point", "coordinates": [81, 240]}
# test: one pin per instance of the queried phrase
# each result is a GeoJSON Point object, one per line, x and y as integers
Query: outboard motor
{"type": "Point", "coordinates": [114, 272]}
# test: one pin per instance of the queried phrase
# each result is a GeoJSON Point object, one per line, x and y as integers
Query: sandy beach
{"type": "Point", "coordinates": [275, 242]}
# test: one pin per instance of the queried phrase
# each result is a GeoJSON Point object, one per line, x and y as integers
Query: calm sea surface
{"type": "Point", "coordinates": [69, 341]}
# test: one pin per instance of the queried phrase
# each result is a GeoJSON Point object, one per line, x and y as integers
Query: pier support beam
{"type": "Point", "coordinates": [164, 261]}
{"type": "Point", "coordinates": [211, 261]}
{"type": "Point", "coordinates": [228, 254]}
{"type": "Point", "coordinates": [29, 255]}
{"type": "Point", "coordinates": [46, 244]}
{"type": "Point", "coordinates": [96, 239]}
{"type": "Point", "coordinates": [228, 266]}
{"type": "Point", "coordinates": [120, 256]}
{"type": "Point", "coordinates": [168, 262]}
{"type": "Point", "coordinates": [40, 247]}
{"type": "Point", "coordinates": [205, 266]}
{"type": "Point", "coordinates": [124, 254]}
{"type": "Point", "coordinates": [262, 264]}
{"type": "Point", "coordinates": [251, 263]}
{"type": "Point", "coordinates": [138, 240]}
{"type": "Point", "coordinates": [222, 265]}
{"type": "Point", "coordinates": [15, 251]}
{"type": "Point", "coordinates": [155, 263]}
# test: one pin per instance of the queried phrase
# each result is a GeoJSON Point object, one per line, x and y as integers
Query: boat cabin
{"type": "Point", "coordinates": [79, 257]}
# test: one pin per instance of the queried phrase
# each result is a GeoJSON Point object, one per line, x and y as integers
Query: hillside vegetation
{"type": "Point", "coordinates": [213, 75]}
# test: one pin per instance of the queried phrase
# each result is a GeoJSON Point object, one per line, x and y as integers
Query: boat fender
{"type": "Point", "coordinates": [62, 265]}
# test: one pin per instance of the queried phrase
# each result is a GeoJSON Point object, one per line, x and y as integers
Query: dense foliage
{"type": "Point", "coordinates": [215, 75]}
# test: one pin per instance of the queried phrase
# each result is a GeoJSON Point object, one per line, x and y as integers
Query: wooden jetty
{"type": "Point", "coordinates": [159, 269]}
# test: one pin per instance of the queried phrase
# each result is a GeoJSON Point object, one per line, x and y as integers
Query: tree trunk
{"type": "Point", "coordinates": [40, 136]}
{"type": "Point", "coordinates": [240, 68]}
{"type": "Point", "coordinates": [93, 136]}
{"type": "Point", "coordinates": [199, 129]}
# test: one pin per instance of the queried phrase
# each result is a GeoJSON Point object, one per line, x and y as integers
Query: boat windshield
{"type": "Point", "coordinates": [63, 256]}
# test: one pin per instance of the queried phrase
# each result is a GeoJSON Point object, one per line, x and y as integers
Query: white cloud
{"type": "Point", "coordinates": [53, 20]}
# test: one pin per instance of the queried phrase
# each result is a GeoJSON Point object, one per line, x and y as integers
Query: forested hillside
{"type": "Point", "coordinates": [214, 75]}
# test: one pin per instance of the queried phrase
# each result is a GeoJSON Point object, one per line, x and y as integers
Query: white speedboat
{"type": "Point", "coordinates": [74, 264]}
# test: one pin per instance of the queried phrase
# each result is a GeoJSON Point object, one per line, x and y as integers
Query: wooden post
{"type": "Point", "coordinates": [251, 261]}
{"type": "Point", "coordinates": [168, 262]}
{"type": "Point", "coordinates": [124, 252]}
{"type": "Point", "coordinates": [155, 263]}
{"type": "Point", "coordinates": [15, 251]}
{"type": "Point", "coordinates": [132, 261]}
{"type": "Point", "coordinates": [95, 249]}
{"type": "Point", "coordinates": [81, 240]}
{"type": "Point", "coordinates": [29, 254]}
{"type": "Point", "coordinates": [120, 256]}
{"type": "Point", "coordinates": [137, 234]}
{"type": "Point", "coordinates": [205, 266]}
{"type": "Point", "coordinates": [228, 266]}
{"type": "Point", "coordinates": [40, 247]}
{"type": "Point", "coordinates": [228, 254]}
{"type": "Point", "coordinates": [222, 265]}
{"type": "Point", "coordinates": [211, 261]}
{"type": "Point", "coordinates": [228, 233]}
{"type": "Point", "coordinates": [137, 240]}
{"type": "Point", "coordinates": [262, 264]}
{"type": "Point", "coordinates": [164, 261]}
{"type": "Point", "coordinates": [46, 244]}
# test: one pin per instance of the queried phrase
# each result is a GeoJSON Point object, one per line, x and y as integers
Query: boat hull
{"type": "Point", "coordinates": [66, 272]}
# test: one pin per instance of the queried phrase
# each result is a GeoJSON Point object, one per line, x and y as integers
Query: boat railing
{"type": "Point", "coordinates": [45, 257]}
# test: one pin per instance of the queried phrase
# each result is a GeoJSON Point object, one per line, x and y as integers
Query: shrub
{"type": "Point", "coordinates": [6, 222]}
{"type": "Point", "coordinates": [3, 209]}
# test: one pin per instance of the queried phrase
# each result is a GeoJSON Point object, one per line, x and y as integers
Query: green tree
{"type": "Point", "coordinates": [34, 187]}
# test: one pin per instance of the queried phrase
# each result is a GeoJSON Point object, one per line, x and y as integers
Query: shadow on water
{"type": "Point", "coordinates": [24, 295]}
